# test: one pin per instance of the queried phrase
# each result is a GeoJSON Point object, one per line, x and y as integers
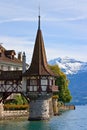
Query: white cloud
{"type": "Point", "coordinates": [17, 20]}
{"type": "Point", "coordinates": [20, 9]}
{"type": "Point", "coordinates": [70, 16]}
{"type": "Point", "coordinates": [66, 19]}
{"type": "Point", "coordinates": [15, 41]}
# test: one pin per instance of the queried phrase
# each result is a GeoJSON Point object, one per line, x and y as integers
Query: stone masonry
{"type": "Point", "coordinates": [41, 109]}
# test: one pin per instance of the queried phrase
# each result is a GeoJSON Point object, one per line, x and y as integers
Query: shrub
{"type": "Point", "coordinates": [16, 107]}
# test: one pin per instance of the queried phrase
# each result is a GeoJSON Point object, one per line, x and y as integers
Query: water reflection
{"type": "Point", "coordinates": [37, 125]}
{"type": "Point", "coordinates": [25, 125]}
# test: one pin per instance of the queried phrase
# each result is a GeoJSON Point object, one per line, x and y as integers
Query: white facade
{"type": "Point", "coordinates": [10, 66]}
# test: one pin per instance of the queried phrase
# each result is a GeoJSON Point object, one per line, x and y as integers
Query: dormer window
{"type": "Point", "coordinates": [10, 54]}
{"type": "Point", "coordinates": [12, 57]}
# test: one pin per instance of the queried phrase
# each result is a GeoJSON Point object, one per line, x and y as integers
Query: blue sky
{"type": "Point", "coordinates": [63, 25]}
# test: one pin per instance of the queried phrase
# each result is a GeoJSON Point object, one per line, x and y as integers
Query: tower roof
{"type": "Point", "coordinates": [39, 65]}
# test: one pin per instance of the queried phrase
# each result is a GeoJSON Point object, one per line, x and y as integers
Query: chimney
{"type": "Point", "coordinates": [20, 56]}
{"type": "Point", "coordinates": [23, 62]}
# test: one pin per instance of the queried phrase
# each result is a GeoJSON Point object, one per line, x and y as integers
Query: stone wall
{"type": "Point", "coordinates": [1, 109]}
{"type": "Point", "coordinates": [14, 114]}
{"type": "Point", "coordinates": [55, 106]}
{"type": "Point", "coordinates": [67, 107]}
{"type": "Point", "coordinates": [40, 109]}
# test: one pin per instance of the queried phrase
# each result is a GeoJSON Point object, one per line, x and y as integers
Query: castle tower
{"type": "Point", "coordinates": [39, 81]}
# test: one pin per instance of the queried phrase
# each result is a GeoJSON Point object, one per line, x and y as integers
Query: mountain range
{"type": "Point", "coordinates": [76, 72]}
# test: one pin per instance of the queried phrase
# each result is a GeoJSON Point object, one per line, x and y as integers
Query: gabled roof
{"type": "Point", "coordinates": [4, 57]}
{"type": "Point", "coordinates": [8, 60]}
{"type": "Point", "coordinates": [39, 65]}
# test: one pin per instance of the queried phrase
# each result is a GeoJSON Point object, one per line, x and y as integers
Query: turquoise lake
{"type": "Point", "coordinates": [69, 120]}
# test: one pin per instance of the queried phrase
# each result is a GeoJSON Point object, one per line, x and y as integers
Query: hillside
{"type": "Point", "coordinates": [78, 87]}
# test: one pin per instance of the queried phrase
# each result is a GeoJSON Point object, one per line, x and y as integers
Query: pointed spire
{"type": "Point", "coordinates": [39, 19]}
{"type": "Point", "coordinates": [39, 65]}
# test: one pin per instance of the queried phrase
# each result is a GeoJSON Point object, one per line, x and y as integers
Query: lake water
{"type": "Point", "coordinates": [69, 120]}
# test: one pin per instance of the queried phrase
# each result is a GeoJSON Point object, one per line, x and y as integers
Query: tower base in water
{"type": "Point", "coordinates": [40, 109]}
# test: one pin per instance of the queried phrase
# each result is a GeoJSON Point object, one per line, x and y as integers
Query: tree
{"type": "Point", "coordinates": [64, 93]}
{"type": "Point", "coordinates": [62, 83]}
{"type": "Point", "coordinates": [20, 99]}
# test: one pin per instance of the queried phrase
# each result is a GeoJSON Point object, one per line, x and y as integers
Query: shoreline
{"type": "Point", "coordinates": [24, 115]}
{"type": "Point", "coordinates": [64, 108]}
{"type": "Point", "coordinates": [13, 118]}
{"type": "Point", "coordinates": [67, 107]}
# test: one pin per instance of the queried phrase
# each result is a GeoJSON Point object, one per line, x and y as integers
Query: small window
{"type": "Point", "coordinates": [43, 81]}
{"type": "Point", "coordinates": [44, 88]}
{"type": "Point", "coordinates": [53, 82]}
{"type": "Point", "coordinates": [31, 88]}
{"type": "Point", "coordinates": [35, 88]}
{"type": "Point", "coordinates": [33, 82]}
{"type": "Point", "coordinates": [2, 67]}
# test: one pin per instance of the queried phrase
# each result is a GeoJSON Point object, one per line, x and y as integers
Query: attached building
{"type": "Point", "coordinates": [8, 61]}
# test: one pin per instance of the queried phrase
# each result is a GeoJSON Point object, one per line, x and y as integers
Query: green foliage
{"type": "Point", "coordinates": [17, 99]}
{"type": "Point", "coordinates": [18, 102]}
{"type": "Point", "coordinates": [10, 101]}
{"type": "Point", "coordinates": [64, 93]}
{"type": "Point", "coordinates": [16, 107]}
{"type": "Point", "coordinates": [62, 83]}
{"type": "Point", "coordinates": [20, 99]}
{"type": "Point", "coordinates": [55, 97]}
{"type": "Point", "coordinates": [24, 100]}
{"type": "Point", "coordinates": [55, 69]}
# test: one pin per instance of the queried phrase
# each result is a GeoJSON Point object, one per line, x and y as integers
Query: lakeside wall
{"type": "Point", "coordinates": [67, 107]}
{"type": "Point", "coordinates": [14, 114]}
{"type": "Point", "coordinates": [7, 114]}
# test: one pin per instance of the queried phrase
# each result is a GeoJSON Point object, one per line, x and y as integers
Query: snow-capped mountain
{"type": "Point", "coordinates": [69, 65]}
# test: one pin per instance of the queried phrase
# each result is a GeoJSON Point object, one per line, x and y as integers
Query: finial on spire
{"type": "Point", "coordinates": [39, 19]}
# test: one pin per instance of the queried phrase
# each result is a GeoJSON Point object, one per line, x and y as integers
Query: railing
{"type": "Point", "coordinates": [10, 88]}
